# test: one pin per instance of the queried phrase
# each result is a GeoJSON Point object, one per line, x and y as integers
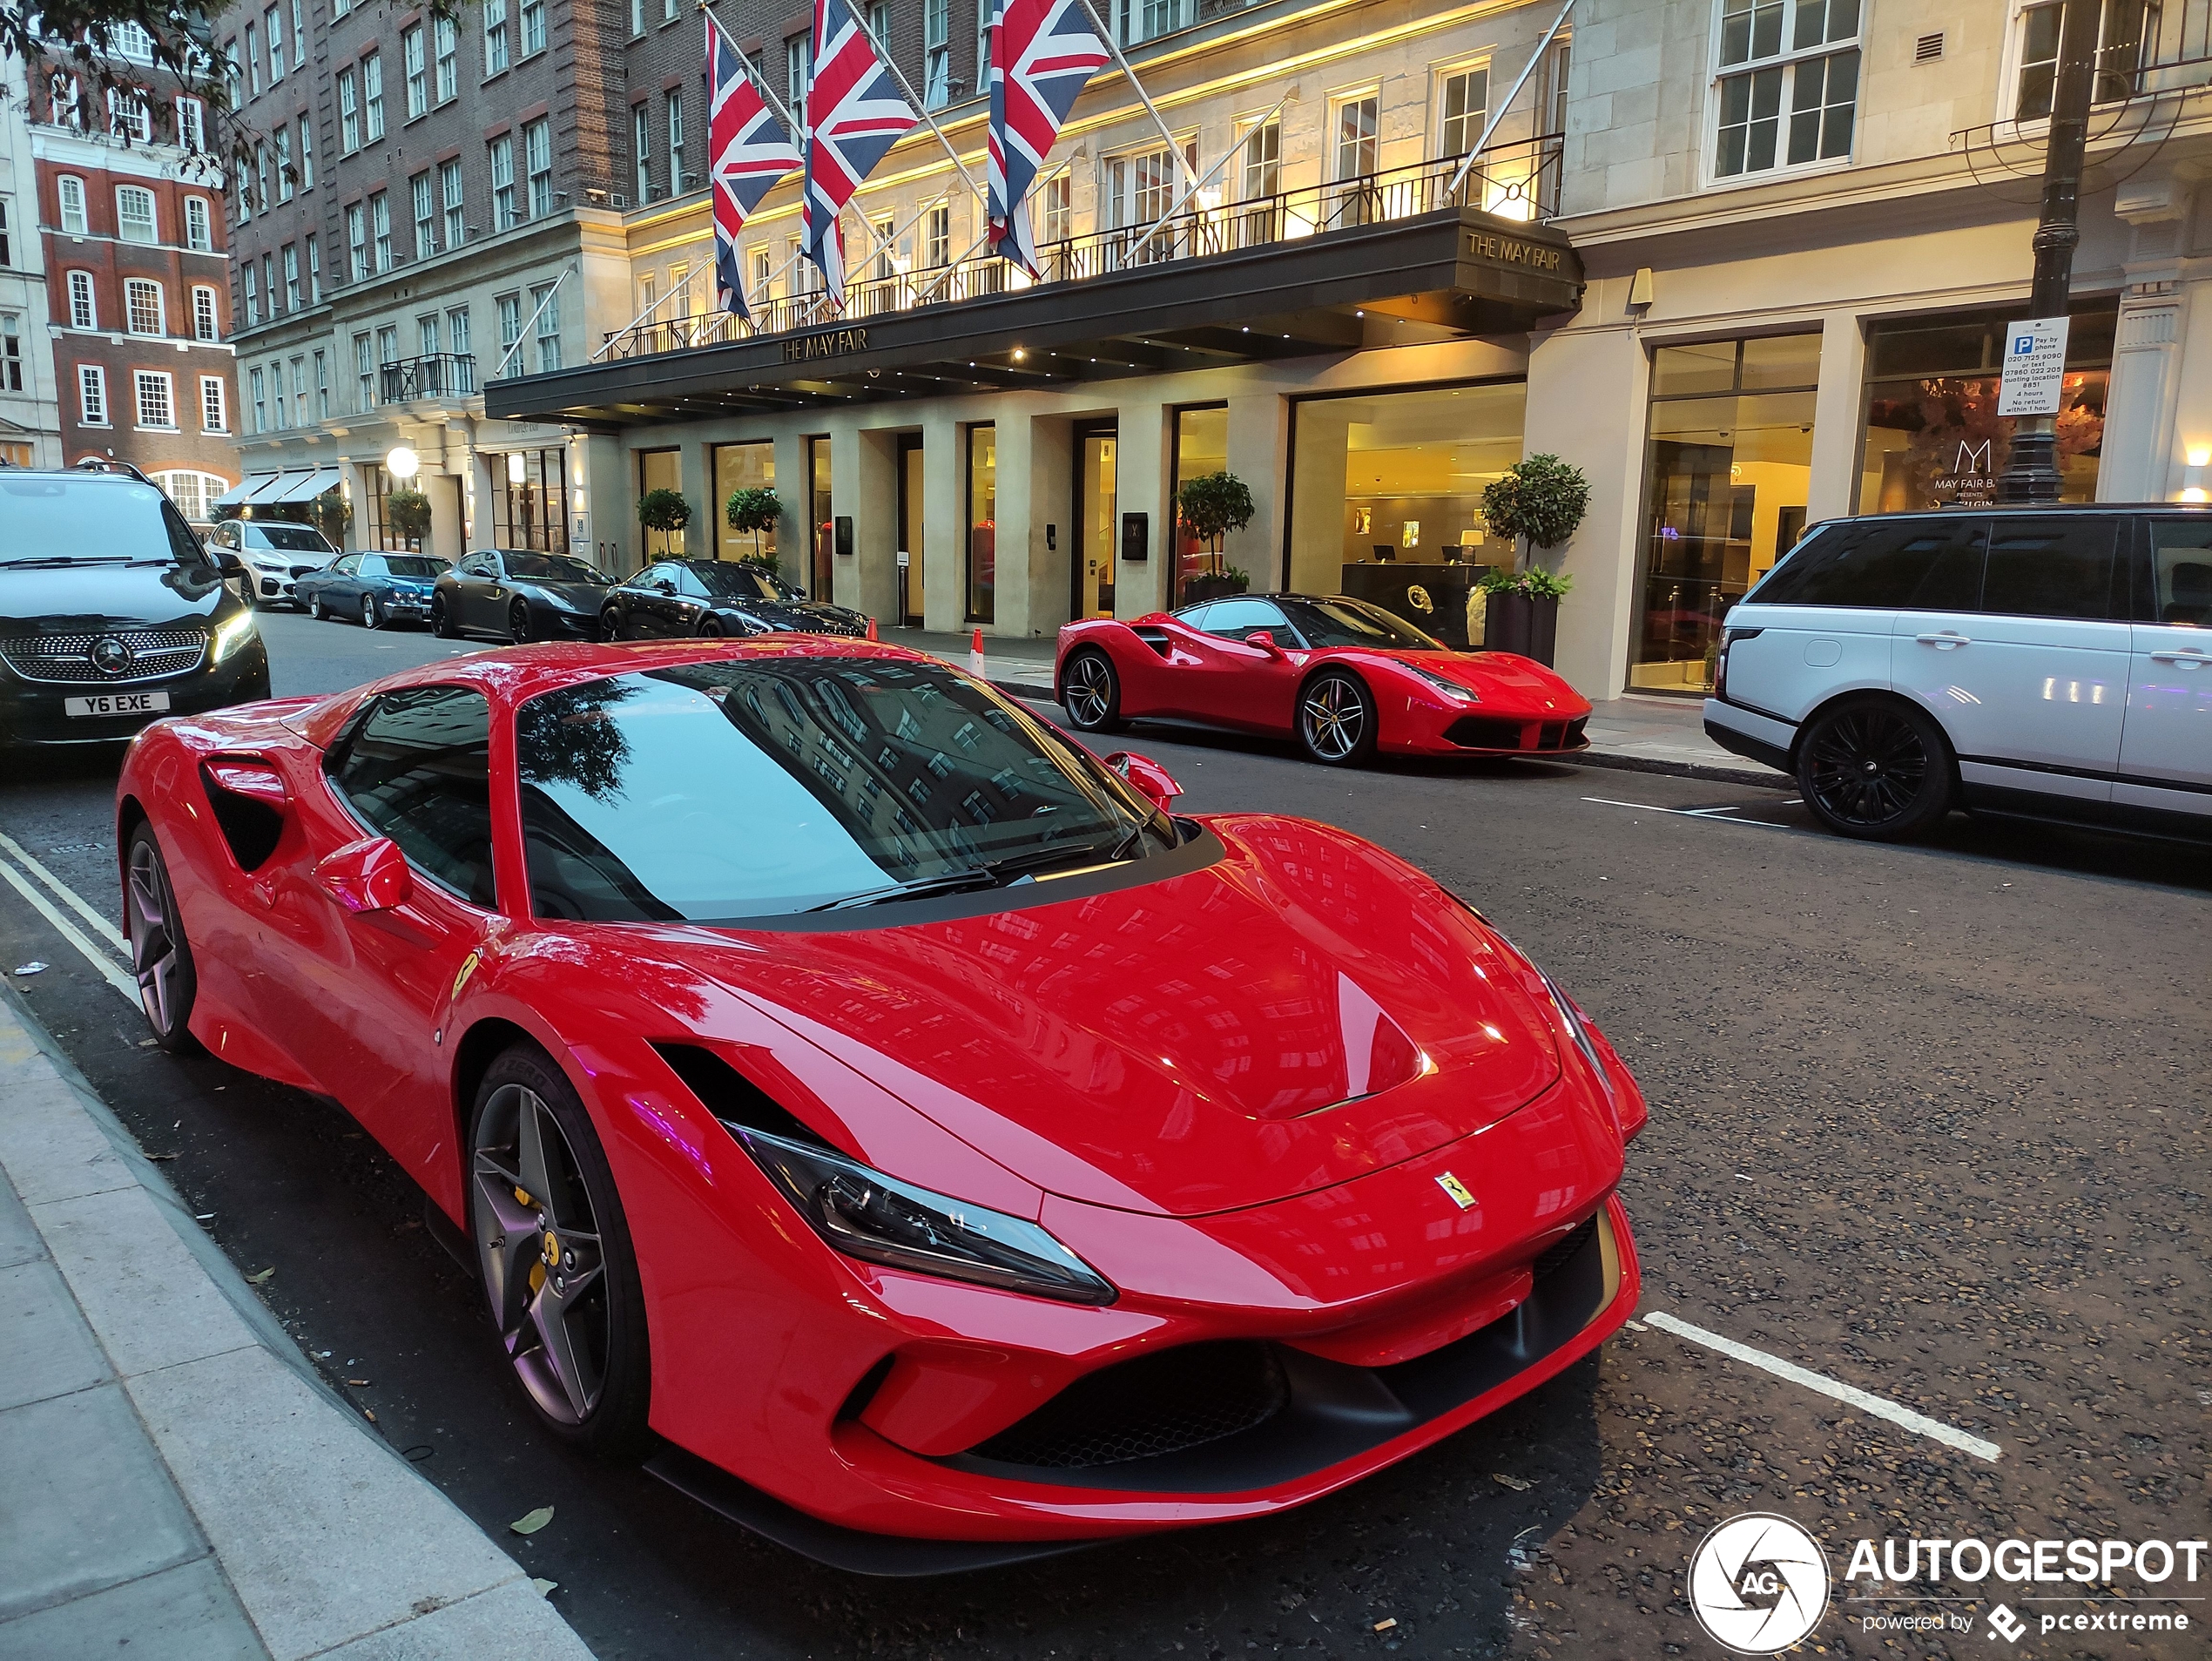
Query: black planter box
{"type": "Point", "coordinates": [1517, 623]}
{"type": "Point", "coordinates": [1196, 590]}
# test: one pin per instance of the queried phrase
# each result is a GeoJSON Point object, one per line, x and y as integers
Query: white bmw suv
{"type": "Point", "coordinates": [2054, 662]}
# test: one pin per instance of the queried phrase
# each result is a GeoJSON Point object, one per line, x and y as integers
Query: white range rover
{"type": "Point", "coordinates": [2054, 662]}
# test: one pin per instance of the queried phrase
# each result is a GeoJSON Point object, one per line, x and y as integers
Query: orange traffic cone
{"type": "Point", "coordinates": [975, 656]}
{"type": "Point", "coordinates": [871, 628]}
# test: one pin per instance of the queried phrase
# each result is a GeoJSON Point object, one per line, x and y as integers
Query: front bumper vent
{"type": "Point", "coordinates": [1158, 1404]}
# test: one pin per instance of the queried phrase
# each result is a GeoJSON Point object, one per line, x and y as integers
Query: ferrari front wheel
{"type": "Point", "coordinates": [160, 958]}
{"type": "Point", "coordinates": [441, 619]}
{"type": "Point", "coordinates": [1336, 719]}
{"type": "Point", "coordinates": [555, 1251]}
{"type": "Point", "coordinates": [518, 623]}
{"type": "Point", "coordinates": [1091, 694]}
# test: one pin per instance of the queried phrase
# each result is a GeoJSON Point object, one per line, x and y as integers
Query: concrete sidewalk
{"type": "Point", "coordinates": [173, 1476]}
{"type": "Point", "coordinates": [1643, 734]}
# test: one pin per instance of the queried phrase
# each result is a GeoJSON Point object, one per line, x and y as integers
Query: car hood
{"type": "Point", "coordinates": [1497, 672]}
{"type": "Point", "coordinates": [573, 596]}
{"type": "Point", "coordinates": [1296, 1013]}
{"type": "Point", "coordinates": [78, 599]}
{"type": "Point", "coordinates": [802, 615]}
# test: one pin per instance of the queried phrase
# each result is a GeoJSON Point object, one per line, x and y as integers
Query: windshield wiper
{"type": "Point", "coordinates": [68, 560]}
{"type": "Point", "coordinates": [972, 876]}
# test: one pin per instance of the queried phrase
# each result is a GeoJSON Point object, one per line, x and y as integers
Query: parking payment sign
{"type": "Point", "coordinates": [2034, 382]}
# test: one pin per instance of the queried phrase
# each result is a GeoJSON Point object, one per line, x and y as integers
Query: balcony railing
{"type": "Point", "coordinates": [439, 375]}
{"type": "Point", "coordinates": [1517, 181]}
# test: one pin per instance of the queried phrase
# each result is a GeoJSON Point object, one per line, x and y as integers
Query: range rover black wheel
{"type": "Point", "coordinates": [1875, 769]}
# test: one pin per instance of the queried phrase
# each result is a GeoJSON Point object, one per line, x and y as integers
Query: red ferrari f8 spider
{"type": "Point", "coordinates": [893, 1121]}
{"type": "Point", "coordinates": [1345, 679]}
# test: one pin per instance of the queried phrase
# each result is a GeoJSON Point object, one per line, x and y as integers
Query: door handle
{"type": "Point", "coordinates": [1945, 640]}
{"type": "Point", "coordinates": [2183, 654]}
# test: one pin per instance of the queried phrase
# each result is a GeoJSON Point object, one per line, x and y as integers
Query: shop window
{"type": "Point", "coordinates": [530, 498]}
{"type": "Point", "coordinates": [982, 522]}
{"type": "Point", "coordinates": [660, 470]}
{"type": "Point", "coordinates": [742, 467]}
{"type": "Point", "coordinates": [1727, 468]}
{"type": "Point", "coordinates": [1201, 447]}
{"type": "Point", "coordinates": [1396, 478]}
{"type": "Point", "coordinates": [1931, 436]}
{"type": "Point", "coordinates": [1789, 84]}
{"type": "Point", "coordinates": [821, 521]}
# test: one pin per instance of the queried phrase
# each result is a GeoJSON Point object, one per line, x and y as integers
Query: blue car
{"type": "Point", "coordinates": [376, 588]}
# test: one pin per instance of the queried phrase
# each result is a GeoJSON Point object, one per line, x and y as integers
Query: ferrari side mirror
{"type": "Point", "coordinates": [1265, 641]}
{"type": "Point", "coordinates": [1154, 782]}
{"type": "Point", "coordinates": [367, 875]}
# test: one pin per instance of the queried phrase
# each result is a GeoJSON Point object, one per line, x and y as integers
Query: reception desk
{"type": "Point", "coordinates": [1433, 597]}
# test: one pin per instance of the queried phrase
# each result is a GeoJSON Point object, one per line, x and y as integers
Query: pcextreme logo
{"type": "Point", "coordinates": [1758, 1583]}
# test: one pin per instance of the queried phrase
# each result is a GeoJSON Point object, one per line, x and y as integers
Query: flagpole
{"type": "Point", "coordinates": [883, 58]}
{"type": "Point", "coordinates": [1196, 185]}
{"type": "Point", "coordinates": [944, 273]}
{"type": "Point", "coordinates": [1181, 164]}
{"type": "Point", "coordinates": [1491, 126]}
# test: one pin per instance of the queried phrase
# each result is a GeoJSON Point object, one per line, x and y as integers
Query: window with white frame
{"type": "Point", "coordinates": [641, 150]}
{"type": "Point", "coordinates": [496, 54]}
{"type": "Point", "coordinates": [300, 390]}
{"type": "Point", "coordinates": [1263, 161]}
{"type": "Point", "coordinates": [65, 102]}
{"type": "Point", "coordinates": [984, 11]}
{"type": "Point", "coordinates": [350, 113]}
{"type": "Point", "coordinates": [269, 282]}
{"type": "Point", "coordinates": [545, 300]}
{"type": "Point", "coordinates": [457, 330]}
{"type": "Point", "coordinates": [637, 17]}
{"type": "Point", "coordinates": [68, 191]}
{"type": "Point", "coordinates": [11, 351]}
{"type": "Point", "coordinates": [131, 42]}
{"type": "Point", "coordinates": [445, 44]}
{"type": "Point", "coordinates": [1147, 18]}
{"type": "Point", "coordinates": [1354, 136]}
{"type": "Point", "coordinates": [538, 160]}
{"type": "Point", "coordinates": [315, 270]}
{"type": "Point", "coordinates": [200, 232]}
{"type": "Point", "coordinates": [510, 325]}
{"type": "Point", "coordinates": [1788, 84]}
{"type": "Point", "coordinates": [291, 296]}
{"type": "Point", "coordinates": [357, 241]}
{"type": "Point", "coordinates": [276, 389]}
{"type": "Point", "coordinates": [449, 200]}
{"type": "Point", "coordinates": [1058, 218]}
{"type": "Point", "coordinates": [1462, 105]}
{"type": "Point", "coordinates": [7, 230]}
{"type": "Point", "coordinates": [798, 69]}
{"type": "Point", "coordinates": [416, 69]}
{"type": "Point", "coordinates": [426, 215]}
{"type": "Point", "coordinates": [252, 285]}
{"type": "Point", "coordinates": [505, 215]}
{"type": "Point", "coordinates": [373, 96]}
{"type": "Point", "coordinates": [322, 387]}
{"type": "Point", "coordinates": [2127, 31]}
{"type": "Point", "coordinates": [205, 319]}
{"type": "Point", "coordinates": [191, 124]}
{"type": "Point", "coordinates": [283, 169]}
{"type": "Point", "coordinates": [194, 493]}
{"type": "Point", "coordinates": [532, 19]}
{"type": "Point", "coordinates": [936, 53]}
{"type": "Point", "coordinates": [157, 407]}
{"type": "Point", "coordinates": [307, 156]}
{"type": "Point", "coordinates": [261, 174]}
{"type": "Point", "coordinates": [91, 395]}
{"type": "Point", "coordinates": [252, 63]}
{"type": "Point", "coordinates": [936, 241]}
{"type": "Point", "coordinates": [129, 115]}
{"type": "Point", "coordinates": [82, 312]}
{"type": "Point", "coordinates": [388, 344]}
{"type": "Point", "coordinates": [671, 10]}
{"type": "Point", "coordinates": [760, 290]}
{"type": "Point", "coordinates": [1139, 186]}
{"type": "Point", "coordinates": [214, 404]}
{"type": "Point", "coordinates": [142, 307]}
{"type": "Point", "coordinates": [676, 179]}
{"type": "Point", "coordinates": [426, 334]}
{"type": "Point", "coordinates": [272, 25]}
{"type": "Point", "coordinates": [258, 386]}
{"type": "Point", "coordinates": [379, 229]}
{"type": "Point", "coordinates": [364, 374]}
{"type": "Point", "coordinates": [298, 38]}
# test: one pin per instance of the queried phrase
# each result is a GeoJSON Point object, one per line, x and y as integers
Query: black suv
{"type": "Point", "coordinates": [112, 614]}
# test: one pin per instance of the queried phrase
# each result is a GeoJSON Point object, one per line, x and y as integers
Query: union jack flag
{"type": "Point", "coordinates": [854, 114]}
{"type": "Point", "coordinates": [748, 154]}
{"type": "Point", "coordinates": [1043, 53]}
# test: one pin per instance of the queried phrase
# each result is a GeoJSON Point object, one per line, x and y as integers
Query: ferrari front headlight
{"type": "Point", "coordinates": [1451, 689]}
{"type": "Point", "coordinates": [877, 1218]}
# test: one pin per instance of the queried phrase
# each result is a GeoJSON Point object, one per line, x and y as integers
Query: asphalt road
{"type": "Point", "coordinates": [1929, 1120]}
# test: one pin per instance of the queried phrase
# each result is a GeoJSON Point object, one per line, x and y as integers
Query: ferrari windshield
{"type": "Point", "coordinates": [551, 568]}
{"type": "Point", "coordinates": [1353, 623]}
{"type": "Point", "coordinates": [733, 580]}
{"type": "Point", "coordinates": [716, 791]}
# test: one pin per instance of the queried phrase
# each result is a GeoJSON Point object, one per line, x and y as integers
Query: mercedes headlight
{"type": "Point", "coordinates": [877, 1218]}
{"type": "Point", "coordinates": [230, 636]}
{"type": "Point", "coordinates": [1450, 688]}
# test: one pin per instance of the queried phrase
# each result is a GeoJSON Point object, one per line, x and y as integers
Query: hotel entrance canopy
{"type": "Point", "coordinates": [1318, 270]}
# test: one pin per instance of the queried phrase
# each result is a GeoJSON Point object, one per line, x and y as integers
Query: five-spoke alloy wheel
{"type": "Point", "coordinates": [160, 959]}
{"type": "Point", "coordinates": [555, 1256]}
{"type": "Point", "coordinates": [1336, 719]}
{"type": "Point", "coordinates": [1091, 694]}
{"type": "Point", "coordinates": [1875, 769]}
{"type": "Point", "coordinates": [518, 623]}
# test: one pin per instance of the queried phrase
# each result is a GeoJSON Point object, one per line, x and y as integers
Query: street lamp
{"type": "Point", "coordinates": [402, 462]}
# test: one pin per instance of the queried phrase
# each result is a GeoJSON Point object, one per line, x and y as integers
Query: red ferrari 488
{"type": "Point", "coordinates": [894, 1122]}
{"type": "Point", "coordinates": [1345, 679]}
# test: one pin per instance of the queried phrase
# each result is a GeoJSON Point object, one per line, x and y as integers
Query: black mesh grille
{"type": "Point", "coordinates": [1485, 732]}
{"type": "Point", "coordinates": [1562, 1250]}
{"type": "Point", "coordinates": [1156, 1404]}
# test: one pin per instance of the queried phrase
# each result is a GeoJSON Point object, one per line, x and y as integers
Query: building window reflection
{"type": "Point", "coordinates": [1933, 437]}
{"type": "Point", "coordinates": [982, 522]}
{"type": "Point", "coordinates": [1201, 447]}
{"type": "Point", "coordinates": [1726, 475]}
{"type": "Point", "coordinates": [660, 470]}
{"type": "Point", "coordinates": [821, 521]}
{"type": "Point", "coordinates": [742, 467]}
{"type": "Point", "coordinates": [529, 494]}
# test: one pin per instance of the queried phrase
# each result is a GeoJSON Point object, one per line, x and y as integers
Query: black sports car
{"type": "Point", "coordinates": [520, 594]}
{"type": "Point", "coordinates": [676, 598]}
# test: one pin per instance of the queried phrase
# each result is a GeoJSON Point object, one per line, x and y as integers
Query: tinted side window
{"type": "Point", "coordinates": [1194, 617]}
{"type": "Point", "coordinates": [476, 565]}
{"type": "Point", "coordinates": [688, 583]}
{"type": "Point", "coordinates": [2050, 565]}
{"type": "Point", "coordinates": [1922, 564]}
{"type": "Point", "coordinates": [418, 770]}
{"type": "Point", "coordinates": [2181, 571]}
{"type": "Point", "coordinates": [1234, 619]}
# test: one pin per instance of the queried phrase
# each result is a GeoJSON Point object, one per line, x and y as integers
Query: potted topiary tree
{"type": "Point", "coordinates": [1210, 506]}
{"type": "Point", "coordinates": [667, 513]}
{"type": "Point", "coordinates": [331, 514]}
{"type": "Point", "coordinates": [409, 513]}
{"type": "Point", "coordinates": [755, 509]}
{"type": "Point", "coordinates": [1540, 499]}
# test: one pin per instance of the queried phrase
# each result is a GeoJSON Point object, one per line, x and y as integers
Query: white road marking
{"type": "Point", "coordinates": [102, 926]}
{"type": "Point", "coordinates": [1685, 813]}
{"type": "Point", "coordinates": [1865, 1402]}
{"type": "Point", "coordinates": [70, 932]}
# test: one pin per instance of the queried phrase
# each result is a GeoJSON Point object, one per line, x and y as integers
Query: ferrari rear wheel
{"type": "Point", "coordinates": [1091, 694]}
{"type": "Point", "coordinates": [518, 623]}
{"type": "Point", "coordinates": [558, 1269]}
{"type": "Point", "coordinates": [611, 625]}
{"type": "Point", "coordinates": [1336, 719]}
{"type": "Point", "coordinates": [441, 619]}
{"type": "Point", "coordinates": [160, 958]}
{"type": "Point", "coordinates": [710, 628]}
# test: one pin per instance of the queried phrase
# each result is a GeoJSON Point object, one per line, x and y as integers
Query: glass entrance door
{"type": "Point", "coordinates": [822, 571]}
{"type": "Point", "coordinates": [910, 500]}
{"type": "Point", "coordinates": [1091, 559]}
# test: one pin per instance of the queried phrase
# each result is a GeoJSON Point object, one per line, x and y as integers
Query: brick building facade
{"type": "Point", "coordinates": [134, 242]}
